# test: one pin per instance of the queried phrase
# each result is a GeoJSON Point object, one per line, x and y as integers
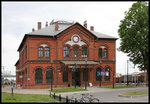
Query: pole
{"type": "Point", "coordinates": [127, 72]}
{"type": "Point", "coordinates": [75, 75]}
{"type": "Point", "coordinates": [100, 76]}
{"type": "Point", "coordinates": [113, 72]}
{"type": "Point", "coordinates": [86, 73]}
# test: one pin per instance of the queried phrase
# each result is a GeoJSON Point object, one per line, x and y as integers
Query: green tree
{"type": "Point", "coordinates": [133, 32]}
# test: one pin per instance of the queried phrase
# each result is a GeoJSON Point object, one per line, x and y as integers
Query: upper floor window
{"type": "Point", "coordinates": [46, 52]}
{"type": "Point", "coordinates": [100, 53]}
{"type": "Point", "coordinates": [40, 52]}
{"type": "Point", "coordinates": [84, 52]}
{"type": "Point", "coordinates": [75, 52]}
{"type": "Point", "coordinates": [105, 53]}
{"type": "Point", "coordinates": [66, 51]}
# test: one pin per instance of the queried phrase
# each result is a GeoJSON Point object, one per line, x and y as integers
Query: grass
{"type": "Point", "coordinates": [136, 93]}
{"type": "Point", "coordinates": [7, 97]}
{"type": "Point", "coordinates": [117, 87]}
{"type": "Point", "coordinates": [67, 90]}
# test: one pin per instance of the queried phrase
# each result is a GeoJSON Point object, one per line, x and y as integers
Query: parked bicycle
{"type": "Point", "coordinates": [84, 98]}
{"type": "Point", "coordinates": [92, 100]}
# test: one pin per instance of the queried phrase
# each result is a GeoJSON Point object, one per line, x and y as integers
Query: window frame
{"type": "Point", "coordinates": [49, 78]}
{"type": "Point", "coordinates": [65, 75]}
{"type": "Point", "coordinates": [75, 51]}
{"type": "Point", "coordinates": [98, 78]}
{"type": "Point", "coordinates": [84, 53]}
{"type": "Point", "coordinates": [66, 51]}
{"type": "Point", "coordinates": [47, 52]}
{"type": "Point", "coordinates": [107, 78]}
{"type": "Point", "coordinates": [40, 52]}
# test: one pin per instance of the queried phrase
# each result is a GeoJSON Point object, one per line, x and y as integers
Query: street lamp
{"type": "Point", "coordinates": [113, 71]}
{"type": "Point", "coordinates": [100, 74]}
{"type": "Point", "coordinates": [86, 73]}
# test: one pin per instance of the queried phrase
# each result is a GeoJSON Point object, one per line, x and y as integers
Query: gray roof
{"type": "Point", "coordinates": [50, 31]}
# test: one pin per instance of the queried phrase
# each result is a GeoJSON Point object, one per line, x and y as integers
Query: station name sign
{"type": "Point", "coordinates": [80, 66]}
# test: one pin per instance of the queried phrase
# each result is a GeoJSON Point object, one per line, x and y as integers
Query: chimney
{"type": "Point", "coordinates": [46, 24]}
{"type": "Point", "coordinates": [92, 28]}
{"type": "Point", "coordinates": [33, 29]}
{"type": "Point", "coordinates": [39, 25]}
{"type": "Point", "coordinates": [85, 24]}
{"type": "Point", "coordinates": [56, 26]}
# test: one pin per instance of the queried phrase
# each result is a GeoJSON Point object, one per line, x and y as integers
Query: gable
{"type": "Point", "coordinates": [79, 28]}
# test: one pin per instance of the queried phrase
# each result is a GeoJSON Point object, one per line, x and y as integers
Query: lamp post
{"type": "Point", "coordinates": [75, 75]}
{"type": "Point", "coordinates": [127, 73]}
{"type": "Point", "coordinates": [100, 75]}
{"type": "Point", "coordinates": [113, 71]}
{"type": "Point", "coordinates": [86, 73]}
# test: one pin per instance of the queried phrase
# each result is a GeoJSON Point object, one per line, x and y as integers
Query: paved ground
{"type": "Point", "coordinates": [104, 94]}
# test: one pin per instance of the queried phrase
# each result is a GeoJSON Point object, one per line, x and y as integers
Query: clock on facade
{"type": "Point", "coordinates": [76, 39]}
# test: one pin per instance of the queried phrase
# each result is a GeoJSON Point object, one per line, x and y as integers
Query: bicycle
{"type": "Point", "coordinates": [83, 99]}
{"type": "Point", "coordinates": [91, 99]}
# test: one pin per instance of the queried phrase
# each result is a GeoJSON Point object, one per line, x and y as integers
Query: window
{"type": "Point", "coordinates": [38, 76]}
{"type": "Point", "coordinates": [100, 53]}
{"type": "Point", "coordinates": [75, 52]}
{"type": "Point", "coordinates": [46, 52]}
{"type": "Point", "coordinates": [66, 51]}
{"type": "Point", "coordinates": [98, 74]}
{"type": "Point", "coordinates": [49, 76]}
{"type": "Point", "coordinates": [105, 53]}
{"type": "Point", "coordinates": [107, 74]}
{"type": "Point", "coordinates": [84, 52]}
{"type": "Point", "coordinates": [65, 75]}
{"type": "Point", "coordinates": [85, 75]}
{"type": "Point", "coordinates": [40, 54]}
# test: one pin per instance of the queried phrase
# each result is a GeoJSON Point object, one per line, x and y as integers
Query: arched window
{"type": "Point", "coordinates": [105, 52]}
{"type": "Point", "coordinates": [107, 74]}
{"type": "Point", "coordinates": [75, 52]}
{"type": "Point", "coordinates": [46, 52]}
{"type": "Point", "coordinates": [66, 51]}
{"type": "Point", "coordinates": [40, 52]}
{"type": "Point", "coordinates": [65, 75]}
{"type": "Point", "coordinates": [100, 53]}
{"type": "Point", "coordinates": [38, 76]}
{"type": "Point", "coordinates": [85, 75]}
{"type": "Point", "coordinates": [49, 76]}
{"type": "Point", "coordinates": [98, 74]}
{"type": "Point", "coordinates": [84, 52]}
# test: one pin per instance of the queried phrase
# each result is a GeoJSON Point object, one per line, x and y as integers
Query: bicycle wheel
{"type": "Point", "coordinates": [95, 100]}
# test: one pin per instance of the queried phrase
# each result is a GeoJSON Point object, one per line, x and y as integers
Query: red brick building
{"type": "Point", "coordinates": [65, 54]}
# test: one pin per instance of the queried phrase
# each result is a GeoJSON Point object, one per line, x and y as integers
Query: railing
{"type": "Point", "coordinates": [84, 99]}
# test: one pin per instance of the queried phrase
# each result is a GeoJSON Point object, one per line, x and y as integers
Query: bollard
{"type": "Point", "coordinates": [12, 91]}
{"type": "Point", "coordinates": [75, 100]}
{"type": "Point", "coordinates": [54, 95]}
{"type": "Point", "coordinates": [66, 99]}
{"type": "Point", "coordinates": [59, 97]}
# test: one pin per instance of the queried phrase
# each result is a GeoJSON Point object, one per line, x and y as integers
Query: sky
{"type": "Point", "coordinates": [18, 18]}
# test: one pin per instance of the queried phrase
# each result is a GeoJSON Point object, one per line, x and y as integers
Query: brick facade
{"type": "Point", "coordinates": [29, 61]}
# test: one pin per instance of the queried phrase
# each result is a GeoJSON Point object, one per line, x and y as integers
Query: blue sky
{"type": "Point", "coordinates": [18, 18]}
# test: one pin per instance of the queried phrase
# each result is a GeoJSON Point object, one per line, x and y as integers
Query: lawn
{"type": "Point", "coordinates": [117, 87]}
{"type": "Point", "coordinates": [7, 97]}
{"type": "Point", "coordinates": [136, 93]}
{"type": "Point", "coordinates": [67, 90]}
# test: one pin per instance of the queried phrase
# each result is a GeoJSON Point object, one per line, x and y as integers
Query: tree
{"type": "Point", "coordinates": [133, 31]}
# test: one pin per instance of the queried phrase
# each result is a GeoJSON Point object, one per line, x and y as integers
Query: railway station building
{"type": "Point", "coordinates": [65, 54]}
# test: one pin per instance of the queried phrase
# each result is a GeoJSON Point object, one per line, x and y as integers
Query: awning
{"type": "Point", "coordinates": [79, 62]}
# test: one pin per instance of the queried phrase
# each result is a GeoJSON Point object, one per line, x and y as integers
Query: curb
{"type": "Point", "coordinates": [128, 96]}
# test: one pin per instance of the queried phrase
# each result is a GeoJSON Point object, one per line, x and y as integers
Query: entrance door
{"type": "Point", "coordinates": [76, 78]}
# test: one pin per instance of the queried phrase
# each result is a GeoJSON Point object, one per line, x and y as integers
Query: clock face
{"type": "Point", "coordinates": [76, 39]}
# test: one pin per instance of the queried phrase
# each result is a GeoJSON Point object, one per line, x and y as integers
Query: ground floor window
{"type": "Point", "coordinates": [38, 76]}
{"type": "Point", "coordinates": [107, 74]}
{"type": "Point", "coordinates": [65, 75]}
{"type": "Point", "coordinates": [98, 74]}
{"type": "Point", "coordinates": [49, 76]}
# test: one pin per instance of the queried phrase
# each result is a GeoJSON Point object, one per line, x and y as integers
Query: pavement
{"type": "Point", "coordinates": [104, 94]}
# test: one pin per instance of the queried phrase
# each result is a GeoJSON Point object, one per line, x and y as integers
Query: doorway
{"type": "Point", "coordinates": [76, 77]}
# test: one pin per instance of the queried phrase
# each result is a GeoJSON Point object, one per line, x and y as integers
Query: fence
{"type": "Point", "coordinates": [63, 99]}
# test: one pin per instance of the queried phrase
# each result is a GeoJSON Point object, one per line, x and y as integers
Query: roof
{"type": "Point", "coordinates": [50, 30]}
